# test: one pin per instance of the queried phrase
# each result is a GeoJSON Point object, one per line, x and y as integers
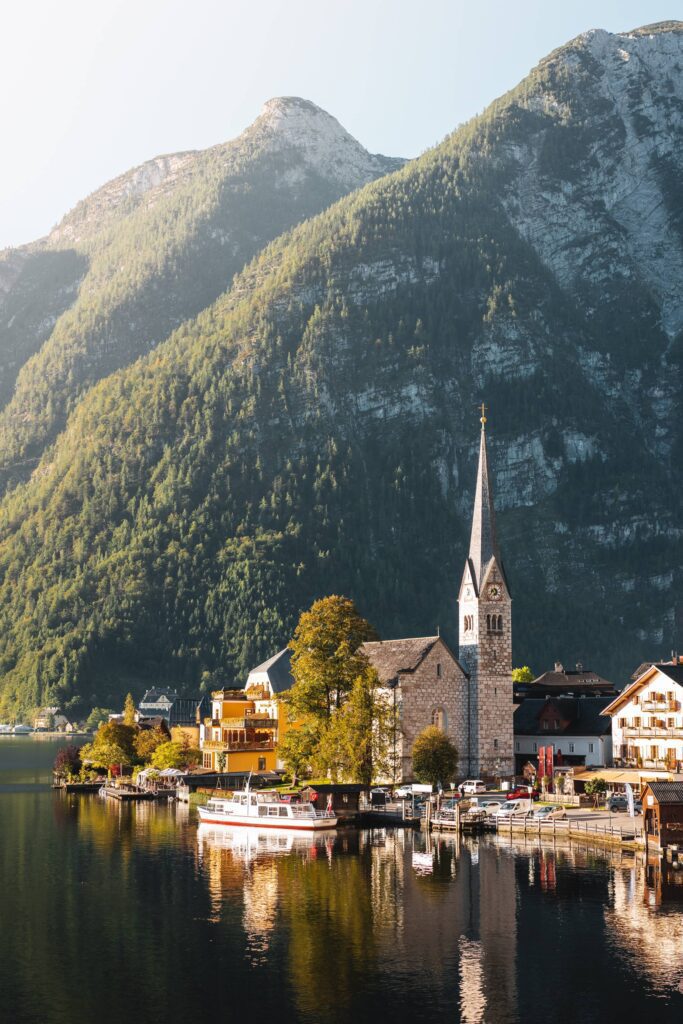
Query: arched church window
{"type": "Point", "coordinates": [500, 623]}
{"type": "Point", "coordinates": [439, 718]}
{"type": "Point", "coordinates": [488, 623]}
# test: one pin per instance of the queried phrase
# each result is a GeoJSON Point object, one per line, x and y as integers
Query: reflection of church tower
{"type": "Point", "coordinates": [486, 636]}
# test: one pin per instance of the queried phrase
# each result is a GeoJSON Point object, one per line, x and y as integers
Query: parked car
{"type": "Point", "coordinates": [403, 793]}
{"type": "Point", "coordinates": [514, 807]}
{"type": "Point", "coordinates": [524, 793]}
{"type": "Point", "coordinates": [549, 813]}
{"type": "Point", "coordinates": [472, 786]}
{"type": "Point", "coordinates": [617, 802]}
{"type": "Point", "coordinates": [491, 807]}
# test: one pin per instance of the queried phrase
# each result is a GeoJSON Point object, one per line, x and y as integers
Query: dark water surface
{"type": "Point", "coordinates": [131, 915]}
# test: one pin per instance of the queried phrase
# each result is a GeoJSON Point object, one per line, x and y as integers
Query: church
{"type": "Point", "coordinates": [469, 696]}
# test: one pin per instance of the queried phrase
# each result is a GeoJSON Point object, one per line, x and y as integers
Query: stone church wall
{"type": "Point", "coordinates": [422, 693]}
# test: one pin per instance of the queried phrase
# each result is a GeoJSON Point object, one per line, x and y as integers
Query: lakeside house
{"type": "Point", "coordinates": [647, 719]}
{"type": "Point", "coordinates": [565, 682]}
{"type": "Point", "coordinates": [574, 727]}
{"type": "Point", "coordinates": [52, 720]}
{"type": "Point", "coordinates": [243, 727]}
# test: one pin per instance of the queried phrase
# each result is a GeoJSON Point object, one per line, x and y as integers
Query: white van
{"type": "Point", "coordinates": [472, 786]}
{"type": "Point", "coordinates": [514, 807]}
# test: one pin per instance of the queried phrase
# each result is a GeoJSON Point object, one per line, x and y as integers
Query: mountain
{"type": "Point", "coordinates": [149, 250]}
{"type": "Point", "coordinates": [315, 430]}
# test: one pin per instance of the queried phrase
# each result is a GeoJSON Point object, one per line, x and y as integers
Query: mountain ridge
{"type": "Point", "coordinates": [150, 249]}
{"type": "Point", "coordinates": [315, 428]}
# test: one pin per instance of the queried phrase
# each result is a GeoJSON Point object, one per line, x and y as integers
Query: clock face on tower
{"type": "Point", "coordinates": [494, 592]}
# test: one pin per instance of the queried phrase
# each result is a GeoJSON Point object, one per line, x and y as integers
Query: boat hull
{"type": "Point", "coordinates": [251, 821]}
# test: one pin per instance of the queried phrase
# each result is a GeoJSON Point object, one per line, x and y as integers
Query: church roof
{"type": "Point", "coordinates": [390, 657]}
{"type": "Point", "coordinates": [483, 540]}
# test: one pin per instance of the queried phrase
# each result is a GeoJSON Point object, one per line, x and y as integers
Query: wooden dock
{"type": "Point", "coordinates": [125, 794]}
{"type": "Point", "coordinates": [79, 787]}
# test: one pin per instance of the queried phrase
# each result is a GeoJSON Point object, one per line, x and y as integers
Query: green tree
{"type": "Point", "coordinates": [221, 758]}
{"type": "Point", "coordinates": [326, 657]}
{"type": "Point", "coordinates": [597, 789]}
{"type": "Point", "coordinates": [175, 755]}
{"type": "Point", "coordinates": [357, 743]}
{"type": "Point", "coordinates": [522, 675]}
{"type": "Point", "coordinates": [96, 718]}
{"type": "Point", "coordinates": [129, 710]}
{"type": "Point", "coordinates": [297, 750]}
{"type": "Point", "coordinates": [435, 758]}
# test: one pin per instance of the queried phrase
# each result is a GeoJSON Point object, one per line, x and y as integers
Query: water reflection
{"type": "Point", "coordinates": [645, 921]}
{"type": "Point", "coordinates": [131, 912]}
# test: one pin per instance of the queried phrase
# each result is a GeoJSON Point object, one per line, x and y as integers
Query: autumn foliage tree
{"type": "Point", "coordinates": [68, 761]}
{"type": "Point", "coordinates": [326, 657]}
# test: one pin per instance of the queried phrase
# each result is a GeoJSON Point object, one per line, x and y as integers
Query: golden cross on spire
{"type": "Point", "coordinates": [483, 414]}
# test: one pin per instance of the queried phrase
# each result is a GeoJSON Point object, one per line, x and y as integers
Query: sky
{"type": "Point", "coordinates": [90, 88]}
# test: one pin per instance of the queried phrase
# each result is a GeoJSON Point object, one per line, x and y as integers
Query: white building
{"type": "Point", "coordinates": [572, 726]}
{"type": "Point", "coordinates": [647, 719]}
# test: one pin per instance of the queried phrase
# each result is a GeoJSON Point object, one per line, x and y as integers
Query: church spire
{"type": "Point", "coordinates": [483, 543]}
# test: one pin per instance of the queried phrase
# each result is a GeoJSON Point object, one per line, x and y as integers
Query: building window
{"type": "Point", "coordinates": [207, 761]}
{"type": "Point", "coordinates": [636, 723]}
{"type": "Point", "coordinates": [439, 718]}
{"type": "Point", "coordinates": [495, 744]}
{"type": "Point", "coordinates": [556, 724]}
{"type": "Point", "coordinates": [546, 724]}
{"type": "Point", "coordinates": [590, 748]}
{"type": "Point", "coordinates": [654, 752]}
{"type": "Point", "coordinates": [571, 748]}
{"type": "Point", "coordinates": [261, 764]}
{"type": "Point", "coordinates": [438, 670]}
{"type": "Point", "coordinates": [534, 748]}
{"type": "Point", "coordinates": [517, 745]}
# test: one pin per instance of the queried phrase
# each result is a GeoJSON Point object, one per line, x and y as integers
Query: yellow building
{"type": "Point", "coordinates": [246, 725]}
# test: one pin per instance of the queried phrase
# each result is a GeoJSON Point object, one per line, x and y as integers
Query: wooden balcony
{"type": "Point", "coordinates": [648, 732]}
{"type": "Point", "coordinates": [230, 747]}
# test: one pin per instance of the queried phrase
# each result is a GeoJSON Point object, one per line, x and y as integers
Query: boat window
{"type": "Point", "coordinates": [282, 812]}
{"type": "Point", "coordinates": [263, 812]}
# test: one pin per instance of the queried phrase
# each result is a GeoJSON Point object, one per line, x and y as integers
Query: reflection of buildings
{"type": "Point", "coordinates": [641, 926]}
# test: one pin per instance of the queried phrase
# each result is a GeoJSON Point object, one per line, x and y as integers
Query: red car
{"type": "Point", "coordinates": [523, 793]}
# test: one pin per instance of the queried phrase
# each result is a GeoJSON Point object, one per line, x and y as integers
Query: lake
{"type": "Point", "coordinates": [127, 914]}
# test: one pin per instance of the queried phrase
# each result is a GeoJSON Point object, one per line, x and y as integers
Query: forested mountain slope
{"type": "Point", "coordinates": [149, 250]}
{"type": "Point", "coordinates": [316, 430]}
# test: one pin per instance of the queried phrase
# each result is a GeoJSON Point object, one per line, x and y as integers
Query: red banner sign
{"type": "Point", "coordinates": [541, 762]}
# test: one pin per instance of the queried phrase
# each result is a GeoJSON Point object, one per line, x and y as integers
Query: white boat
{"type": "Point", "coordinates": [264, 809]}
{"type": "Point", "coordinates": [5, 730]}
{"type": "Point", "coordinates": [21, 730]}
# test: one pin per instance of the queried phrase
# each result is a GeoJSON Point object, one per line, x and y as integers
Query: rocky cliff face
{"type": "Point", "coordinates": [314, 429]}
{"type": "Point", "coordinates": [150, 249]}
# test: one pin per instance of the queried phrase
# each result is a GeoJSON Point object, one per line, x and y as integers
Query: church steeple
{"type": "Point", "coordinates": [483, 542]}
{"type": "Point", "coordinates": [485, 618]}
